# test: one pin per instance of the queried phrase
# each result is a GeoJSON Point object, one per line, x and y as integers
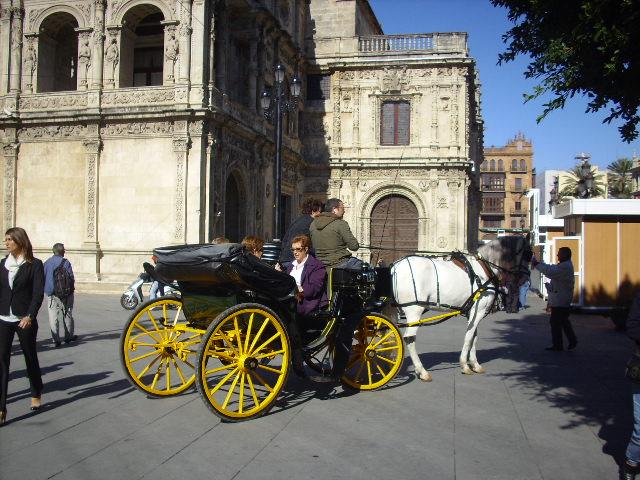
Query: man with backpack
{"type": "Point", "coordinates": [59, 286]}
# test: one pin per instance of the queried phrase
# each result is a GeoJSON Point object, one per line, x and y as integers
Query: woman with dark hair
{"type": "Point", "coordinates": [21, 293]}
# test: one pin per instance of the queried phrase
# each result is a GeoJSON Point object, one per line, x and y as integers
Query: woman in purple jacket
{"type": "Point", "coordinates": [310, 276]}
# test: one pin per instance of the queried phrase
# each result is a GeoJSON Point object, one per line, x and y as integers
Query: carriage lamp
{"type": "Point", "coordinates": [275, 102]}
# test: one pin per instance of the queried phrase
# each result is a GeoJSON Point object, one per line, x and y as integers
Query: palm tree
{"type": "Point", "coordinates": [620, 182]}
{"type": "Point", "coordinates": [574, 185]}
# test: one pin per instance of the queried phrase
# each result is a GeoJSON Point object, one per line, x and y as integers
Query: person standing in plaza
{"type": "Point", "coordinates": [332, 239]}
{"type": "Point", "coordinates": [631, 465]}
{"type": "Point", "coordinates": [59, 304]}
{"type": "Point", "coordinates": [21, 294]}
{"type": "Point", "coordinates": [300, 226]}
{"type": "Point", "coordinates": [560, 297]}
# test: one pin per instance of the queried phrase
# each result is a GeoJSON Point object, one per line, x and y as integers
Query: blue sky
{"type": "Point", "coordinates": [558, 138]}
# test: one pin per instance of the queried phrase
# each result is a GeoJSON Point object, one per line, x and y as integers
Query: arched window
{"type": "Point", "coordinates": [142, 47]}
{"type": "Point", "coordinates": [492, 165]}
{"type": "Point", "coordinates": [523, 165]}
{"type": "Point", "coordinates": [500, 165]}
{"type": "Point", "coordinates": [514, 165]}
{"type": "Point", "coordinates": [58, 53]}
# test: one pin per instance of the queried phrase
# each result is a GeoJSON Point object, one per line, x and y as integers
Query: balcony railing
{"type": "Point", "coordinates": [493, 187]}
{"type": "Point", "coordinates": [492, 211]}
{"type": "Point", "coordinates": [517, 188]}
{"type": "Point", "coordinates": [433, 42]}
{"type": "Point", "coordinates": [519, 170]}
{"type": "Point", "coordinates": [518, 211]}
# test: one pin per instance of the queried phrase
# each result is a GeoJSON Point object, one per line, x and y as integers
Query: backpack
{"type": "Point", "coordinates": [63, 282]}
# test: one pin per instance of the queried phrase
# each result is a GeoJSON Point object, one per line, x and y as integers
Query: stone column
{"type": "Point", "coordinates": [92, 161]}
{"type": "Point", "coordinates": [185, 41]}
{"type": "Point", "coordinates": [30, 70]}
{"type": "Point", "coordinates": [98, 46]}
{"type": "Point", "coordinates": [85, 58]}
{"type": "Point", "coordinates": [5, 40]}
{"type": "Point", "coordinates": [171, 53]}
{"type": "Point", "coordinates": [211, 12]}
{"type": "Point", "coordinates": [17, 15]}
{"type": "Point", "coordinates": [180, 148]}
{"type": "Point", "coordinates": [10, 152]}
{"type": "Point", "coordinates": [112, 57]}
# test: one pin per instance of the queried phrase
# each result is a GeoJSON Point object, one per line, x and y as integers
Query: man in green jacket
{"type": "Point", "coordinates": [332, 238]}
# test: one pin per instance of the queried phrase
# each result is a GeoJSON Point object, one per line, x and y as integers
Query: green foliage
{"type": "Point", "coordinates": [584, 47]}
{"type": "Point", "coordinates": [571, 187]}
{"type": "Point", "coordinates": [620, 180]}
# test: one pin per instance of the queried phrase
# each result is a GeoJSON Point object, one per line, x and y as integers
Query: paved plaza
{"type": "Point", "coordinates": [533, 415]}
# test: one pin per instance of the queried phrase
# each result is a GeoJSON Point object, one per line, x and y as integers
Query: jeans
{"type": "Point", "coordinates": [633, 449]}
{"type": "Point", "coordinates": [524, 289]}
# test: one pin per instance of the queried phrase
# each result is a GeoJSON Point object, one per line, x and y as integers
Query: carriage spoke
{"type": "Point", "coordinates": [237, 333]}
{"type": "Point", "coordinates": [151, 334]}
{"type": "Point", "coordinates": [231, 390]}
{"type": "Point", "coordinates": [142, 344]}
{"type": "Point", "coordinates": [246, 341]}
{"type": "Point", "coordinates": [223, 381]}
{"type": "Point", "coordinates": [241, 392]}
{"type": "Point", "coordinates": [262, 380]}
{"type": "Point", "coordinates": [253, 391]}
{"type": "Point", "coordinates": [382, 340]}
{"type": "Point", "coordinates": [155, 324]}
{"type": "Point", "coordinates": [379, 368]}
{"type": "Point", "coordinates": [369, 372]}
{"type": "Point", "coordinates": [386, 349]}
{"type": "Point", "coordinates": [255, 339]}
{"type": "Point", "coordinates": [276, 335]}
{"type": "Point", "coordinates": [141, 357]}
{"type": "Point", "coordinates": [270, 369]}
{"type": "Point", "coordinates": [179, 370]}
{"type": "Point", "coordinates": [269, 354]}
{"type": "Point", "coordinates": [385, 359]}
{"type": "Point", "coordinates": [220, 369]}
{"type": "Point", "coordinates": [168, 375]}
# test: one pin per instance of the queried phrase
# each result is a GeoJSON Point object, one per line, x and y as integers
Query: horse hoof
{"type": "Point", "coordinates": [478, 369]}
{"type": "Point", "coordinates": [425, 377]}
{"type": "Point", "coordinates": [466, 370]}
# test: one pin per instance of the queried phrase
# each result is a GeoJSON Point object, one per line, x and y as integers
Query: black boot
{"type": "Point", "coordinates": [629, 472]}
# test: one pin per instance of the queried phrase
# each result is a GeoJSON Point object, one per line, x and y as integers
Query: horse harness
{"type": "Point", "coordinates": [461, 261]}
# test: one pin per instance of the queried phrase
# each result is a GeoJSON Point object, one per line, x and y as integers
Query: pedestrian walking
{"type": "Point", "coordinates": [560, 297]}
{"type": "Point", "coordinates": [59, 286]}
{"type": "Point", "coordinates": [631, 465]}
{"type": "Point", "coordinates": [21, 293]}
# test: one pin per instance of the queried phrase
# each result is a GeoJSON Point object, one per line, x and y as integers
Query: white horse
{"type": "Point", "coordinates": [420, 283]}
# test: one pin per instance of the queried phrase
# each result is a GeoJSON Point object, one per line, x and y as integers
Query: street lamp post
{"type": "Point", "coordinates": [275, 104]}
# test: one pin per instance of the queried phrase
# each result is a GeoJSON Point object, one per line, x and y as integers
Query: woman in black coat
{"type": "Point", "coordinates": [21, 292]}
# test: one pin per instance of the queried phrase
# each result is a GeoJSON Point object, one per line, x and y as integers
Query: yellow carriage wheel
{"type": "Point", "coordinates": [158, 349]}
{"type": "Point", "coordinates": [243, 362]}
{"type": "Point", "coordinates": [376, 355]}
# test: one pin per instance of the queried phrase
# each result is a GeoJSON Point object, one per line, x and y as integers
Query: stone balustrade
{"type": "Point", "coordinates": [431, 42]}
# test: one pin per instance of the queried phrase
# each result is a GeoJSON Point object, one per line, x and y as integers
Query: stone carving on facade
{"type": "Point", "coordinates": [50, 102]}
{"type": "Point", "coordinates": [394, 79]}
{"type": "Point", "coordinates": [137, 128]}
{"type": "Point", "coordinates": [30, 62]}
{"type": "Point", "coordinates": [442, 202]}
{"type": "Point", "coordinates": [93, 148]}
{"type": "Point", "coordinates": [84, 58]}
{"type": "Point", "coordinates": [139, 97]}
{"type": "Point", "coordinates": [424, 185]}
{"type": "Point", "coordinates": [171, 53]}
{"type": "Point", "coordinates": [49, 132]}
{"type": "Point", "coordinates": [111, 58]}
{"type": "Point", "coordinates": [442, 242]}
{"type": "Point", "coordinates": [335, 184]}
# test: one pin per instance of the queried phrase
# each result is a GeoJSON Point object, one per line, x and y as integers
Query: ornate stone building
{"type": "Point", "coordinates": [129, 124]}
{"type": "Point", "coordinates": [507, 175]}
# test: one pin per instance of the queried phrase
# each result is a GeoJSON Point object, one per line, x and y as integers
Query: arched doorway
{"type": "Point", "coordinates": [394, 229]}
{"type": "Point", "coordinates": [234, 214]}
{"type": "Point", "coordinates": [58, 53]}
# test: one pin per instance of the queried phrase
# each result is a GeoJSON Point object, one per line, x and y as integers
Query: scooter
{"type": "Point", "coordinates": [133, 296]}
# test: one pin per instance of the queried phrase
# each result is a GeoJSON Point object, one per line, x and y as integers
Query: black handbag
{"type": "Point", "coordinates": [632, 371]}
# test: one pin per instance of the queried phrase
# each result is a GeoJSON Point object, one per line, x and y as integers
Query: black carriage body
{"type": "Point", "coordinates": [213, 278]}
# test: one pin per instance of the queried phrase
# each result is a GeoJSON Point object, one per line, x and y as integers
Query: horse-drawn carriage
{"type": "Point", "coordinates": [235, 330]}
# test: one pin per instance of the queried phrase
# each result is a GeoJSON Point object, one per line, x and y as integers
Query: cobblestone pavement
{"type": "Point", "coordinates": [533, 415]}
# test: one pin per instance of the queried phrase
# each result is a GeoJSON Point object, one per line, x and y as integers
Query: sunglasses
{"type": "Point", "coordinates": [299, 249]}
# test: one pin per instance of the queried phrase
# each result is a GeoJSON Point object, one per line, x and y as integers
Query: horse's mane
{"type": "Point", "coordinates": [502, 251]}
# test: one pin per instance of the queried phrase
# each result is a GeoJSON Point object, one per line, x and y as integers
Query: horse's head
{"type": "Point", "coordinates": [511, 253]}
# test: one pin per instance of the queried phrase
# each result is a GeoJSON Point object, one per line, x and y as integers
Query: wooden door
{"type": "Point", "coordinates": [394, 229]}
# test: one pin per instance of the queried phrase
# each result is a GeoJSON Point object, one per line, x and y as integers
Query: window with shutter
{"type": "Point", "coordinates": [318, 87]}
{"type": "Point", "coordinates": [395, 123]}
